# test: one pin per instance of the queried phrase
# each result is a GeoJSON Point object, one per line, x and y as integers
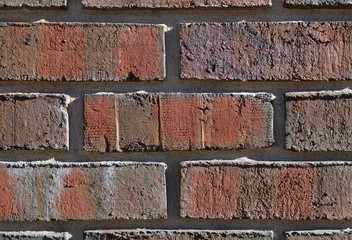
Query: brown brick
{"type": "Point", "coordinates": [318, 3]}
{"type": "Point", "coordinates": [319, 121]}
{"type": "Point", "coordinates": [82, 191]}
{"type": "Point", "coordinates": [111, 4]}
{"type": "Point", "coordinates": [265, 190]}
{"type": "Point", "coordinates": [33, 3]}
{"type": "Point", "coordinates": [285, 51]}
{"type": "Point", "coordinates": [81, 52]}
{"type": "Point", "coordinates": [34, 235]}
{"type": "Point", "coordinates": [34, 121]}
{"type": "Point", "coordinates": [147, 122]}
{"type": "Point", "coordinates": [178, 234]}
{"type": "Point", "coordinates": [344, 234]}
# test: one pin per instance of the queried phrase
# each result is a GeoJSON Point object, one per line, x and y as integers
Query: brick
{"type": "Point", "coordinates": [111, 4]}
{"type": "Point", "coordinates": [177, 234]}
{"type": "Point", "coordinates": [81, 52]}
{"type": "Point", "coordinates": [245, 189]}
{"type": "Point", "coordinates": [50, 190]}
{"type": "Point", "coordinates": [33, 3]}
{"type": "Point", "coordinates": [167, 122]}
{"type": "Point", "coordinates": [28, 235]}
{"type": "Point", "coordinates": [319, 121]}
{"type": "Point", "coordinates": [344, 234]}
{"type": "Point", "coordinates": [34, 121]}
{"type": "Point", "coordinates": [258, 51]}
{"type": "Point", "coordinates": [318, 3]}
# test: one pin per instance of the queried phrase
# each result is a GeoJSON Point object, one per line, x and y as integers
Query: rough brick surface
{"type": "Point", "coordinates": [318, 3]}
{"type": "Point", "coordinates": [81, 52]}
{"type": "Point", "coordinates": [173, 3]}
{"type": "Point", "coordinates": [146, 122]}
{"type": "Point", "coordinates": [178, 234]}
{"type": "Point", "coordinates": [34, 121]}
{"type": "Point", "coordinates": [33, 3]}
{"type": "Point", "coordinates": [259, 51]}
{"type": "Point", "coordinates": [34, 235]}
{"type": "Point", "coordinates": [319, 121]}
{"type": "Point", "coordinates": [266, 190]}
{"type": "Point", "coordinates": [82, 191]}
{"type": "Point", "coordinates": [345, 234]}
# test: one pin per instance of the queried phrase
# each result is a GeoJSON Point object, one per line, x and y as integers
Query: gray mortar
{"type": "Point", "coordinates": [172, 83]}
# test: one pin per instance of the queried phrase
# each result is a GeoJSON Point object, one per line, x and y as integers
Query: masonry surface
{"type": "Point", "coordinates": [176, 119]}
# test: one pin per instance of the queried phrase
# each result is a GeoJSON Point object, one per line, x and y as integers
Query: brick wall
{"type": "Point", "coordinates": [180, 119]}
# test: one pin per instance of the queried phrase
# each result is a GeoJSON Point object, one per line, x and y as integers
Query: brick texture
{"type": "Point", "coordinates": [34, 236]}
{"type": "Point", "coordinates": [81, 52]}
{"type": "Point", "coordinates": [265, 190]}
{"type": "Point", "coordinates": [34, 121]}
{"type": "Point", "coordinates": [345, 234]}
{"type": "Point", "coordinates": [173, 3]}
{"type": "Point", "coordinates": [318, 3]}
{"type": "Point", "coordinates": [81, 191]}
{"type": "Point", "coordinates": [149, 122]}
{"type": "Point", "coordinates": [319, 121]}
{"type": "Point", "coordinates": [283, 51]}
{"type": "Point", "coordinates": [177, 234]}
{"type": "Point", "coordinates": [33, 3]}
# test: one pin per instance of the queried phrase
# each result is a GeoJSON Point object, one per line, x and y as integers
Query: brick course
{"type": "Point", "coordinates": [344, 234]}
{"type": "Point", "coordinates": [33, 3]}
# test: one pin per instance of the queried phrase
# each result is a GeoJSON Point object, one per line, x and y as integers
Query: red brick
{"type": "Point", "coordinates": [265, 190]}
{"type": "Point", "coordinates": [344, 234]}
{"type": "Point", "coordinates": [149, 122]}
{"type": "Point", "coordinates": [82, 191]}
{"type": "Point", "coordinates": [33, 3]}
{"type": "Point", "coordinates": [319, 121]}
{"type": "Point", "coordinates": [110, 4]}
{"type": "Point", "coordinates": [81, 52]}
{"type": "Point", "coordinates": [258, 51]}
{"type": "Point", "coordinates": [34, 121]}
{"type": "Point", "coordinates": [177, 234]}
{"type": "Point", "coordinates": [317, 4]}
{"type": "Point", "coordinates": [31, 235]}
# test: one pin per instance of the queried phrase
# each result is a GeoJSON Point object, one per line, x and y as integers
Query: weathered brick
{"type": "Point", "coordinates": [258, 51]}
{"type": "Point", "coordinates": [266, 190]}
{"type": "Point", "coordinates": [318, 3]}
{"type": "Point", "coordinates": [319, 121]}
{"type": "Point", "coordinates": [147, 122]}
{"type": "Point", "coordinates": [82, 191]}
{"type": "Point", "coordinates": [29, 235]}
{"type": "Point", "coordinates": [81, 52]}
{"type": "Point", "coordinates": [33, 3]}
{"type": "Point", "coordinates": [111, 4]}
{"type": "Point", "coordinates": [178, 234]}
{"type": "Point", "coordinates": [34, 121]}
{"type": "Point", "coordinates": [344, 234]}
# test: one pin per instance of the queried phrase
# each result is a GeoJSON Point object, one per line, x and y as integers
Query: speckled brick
{"type": "Point", "coordinates": [318, 3]}
{"type": "Point", "coordinates": [344, 234]}
{"type": "Point", "coordinates": [30, 235]}
{"type": "Point", "coordinates": [271, 51]}
{"type": "Point", "coordinates": [168, 122]}
{"type": "Point", "coordinates": [111, 4]}
{"type": "Point", "coordinates": [319, 121]}
{"type": "Point", "coordinates": [33, 3]}
{"type": "Point", "coordinates": [246, 189]}
{"type": "Point", "coordinates": [34, 121]}
{"type": "Point", "coordinates": [82, 191]}
{"type": "Point", "coordinates": [81, 52]}
{"type": "Point", "coordinates": [178, 234]}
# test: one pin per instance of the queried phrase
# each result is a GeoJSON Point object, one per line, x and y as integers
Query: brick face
{"type": "Point", "coordinates": [246, 189]}
{"type": "Point", "coordinates": [34, 235]}
{"type": "Point", "coordinates": [317, 3]}
{"type": "Point", "coordinates": [81, 52]}
{"type": "Point", "coordinates": [110, 4]}
{"type": "Point", "coordinates": [33, 3]}
{"type": "Point", "coordinates": [82, 191]}
{"type": "Point", "coordinates": [319, 121]}
{"type": "Point", "coordinates": [282, 51]}
{"type": "Point", "coordinates": [34, 122]}
{"type": "Point", "coordinates": [145, 122]}
{"type": "Point", "coordinates": [178, 234]}
{"type": "Point", "coordinates": [319, 235]}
